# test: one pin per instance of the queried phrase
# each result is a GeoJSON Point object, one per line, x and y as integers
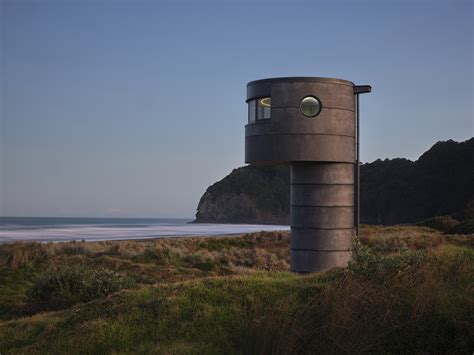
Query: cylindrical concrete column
{"type": "Point", "coordinates": [322, 215]}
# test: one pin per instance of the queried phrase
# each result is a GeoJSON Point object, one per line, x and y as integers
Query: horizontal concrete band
{"type": "Point", "coordinates": [322, 217]}
{"type": "Point", "coordinates": [332, 95]}
{"type": "Point", "coordinates": [263, 88]}
{"type": "Point", "coordinates": [311, 79]}
{"type": "Point", "coordinates": [322, 173]}
{"type": "Point", "coordinates": [321, 239]}
{"type": "Point", "coordinates": [322, 195]}
{"type": "Point", "coordinates": [289, 148]}
{"type": "Point", "coordinates": [257, 90]}
{"type": "Point", "coordinates": [350, 111]}
{"type": "Point", "coordinates": [292, 121]}
{"type": "Point", "coordinates": [314, 261]}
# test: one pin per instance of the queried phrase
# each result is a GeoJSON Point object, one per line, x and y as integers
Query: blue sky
{"type": "Point", "coordinates": [133, 108]}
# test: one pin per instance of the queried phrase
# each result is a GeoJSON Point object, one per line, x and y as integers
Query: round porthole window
{"type": "Point", "coordinates": [310, 106]}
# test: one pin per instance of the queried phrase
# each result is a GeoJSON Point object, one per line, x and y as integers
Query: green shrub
{"type": "Point", "coordinates": [167, 255]}
{"type": "Point", "coordinates": [57, 288]}
{"type": "Point", "coordinates": [375, 265]}
{"type": "Point", "coordinates": [219, 244]}
{"type": "Point", "coordinates": [202, 260]}
{"type": "Point", "coordinates": [150, 256]}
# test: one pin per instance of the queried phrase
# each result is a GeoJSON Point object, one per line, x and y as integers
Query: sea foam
{"type": "Point", "coordinates": [103, 232]}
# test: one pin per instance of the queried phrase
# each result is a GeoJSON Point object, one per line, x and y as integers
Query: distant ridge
{"type": "Point", "coordinates": [440, 182]}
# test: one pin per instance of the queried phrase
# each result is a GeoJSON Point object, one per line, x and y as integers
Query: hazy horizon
{"type": "Point", "coordinates": [133, 108]}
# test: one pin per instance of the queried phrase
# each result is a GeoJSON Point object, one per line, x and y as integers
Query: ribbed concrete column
{"type": "Point", "coordinates": [322, 215]}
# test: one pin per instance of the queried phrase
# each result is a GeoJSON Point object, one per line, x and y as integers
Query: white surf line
{"type": "Point", "coordinates": [96, 233]}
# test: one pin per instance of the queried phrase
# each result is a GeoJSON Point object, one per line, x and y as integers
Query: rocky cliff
{"type": "Point", "coordinates": [440, 182]}
{"type": "Point", "coordinates": [248, 194]}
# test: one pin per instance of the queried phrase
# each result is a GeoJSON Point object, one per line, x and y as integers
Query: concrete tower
{"type": "Point", "coordinates": [312, 124]}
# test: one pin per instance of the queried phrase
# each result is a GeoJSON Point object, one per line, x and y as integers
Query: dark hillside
{"type": "Point", "coordinates": [248, 194]}
{"type": "Point", "coordinates": [440, 182]}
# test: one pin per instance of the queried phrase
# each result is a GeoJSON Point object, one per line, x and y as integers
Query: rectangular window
{"type": "Point", "coordinates": [252, 110]}
{"type": "Point", "coordinates": [264, 106]}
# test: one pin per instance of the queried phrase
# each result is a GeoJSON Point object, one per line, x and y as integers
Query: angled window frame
{"type": "Point", "coordinates": [252, 111]}
{"type": "Point", "coordinates": [264, 110]}
{"type": "Point", "coordinates": [258, 112]}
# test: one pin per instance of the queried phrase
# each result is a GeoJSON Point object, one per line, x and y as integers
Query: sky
{"type": "Point", "coordinates": [133, 108]}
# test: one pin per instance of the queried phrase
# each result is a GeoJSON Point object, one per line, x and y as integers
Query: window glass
{"type": "Point", "coordinates": [310, 106]}
{"type": "Point", "coordinates": [252, 110]}
{"type": "Point", "coordinates": [264, 106]}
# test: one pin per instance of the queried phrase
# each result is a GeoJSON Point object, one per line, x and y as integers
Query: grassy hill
{"type": "Point", "coordinates": [409, 289]}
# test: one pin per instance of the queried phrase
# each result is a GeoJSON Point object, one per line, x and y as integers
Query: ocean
{"type": "Point", "coordinates": [62, 229]}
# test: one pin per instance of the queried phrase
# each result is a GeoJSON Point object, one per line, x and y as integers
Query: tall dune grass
{"type": "Point", "coordinates": [408, 290]}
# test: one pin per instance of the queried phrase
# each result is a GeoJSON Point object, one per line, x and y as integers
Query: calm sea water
{"type": "Point", "coordinates": [53, 229]}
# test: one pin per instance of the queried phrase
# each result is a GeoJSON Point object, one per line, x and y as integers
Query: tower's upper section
{"type": "Point", "coordinates": [301, 119]}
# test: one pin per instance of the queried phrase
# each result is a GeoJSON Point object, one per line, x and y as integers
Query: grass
{"type": "Point", "coordinates": [409, 289]}
{"type": "Point", "coordinates": [25, 267]}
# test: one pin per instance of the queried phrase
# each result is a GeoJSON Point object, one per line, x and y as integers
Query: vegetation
{"type": "Point", "coordinates": [408, 289]}
{"type": "Point", "coordinates": [59, 287]}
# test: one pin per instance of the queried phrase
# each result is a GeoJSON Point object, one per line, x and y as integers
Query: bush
{"type": "Point", "coordinates": [203, 260]}
{"type": "Point", "coordinates": [150, 256]}
{"type": "Point", "coordinates": [58, 288]}
{"type": "Point", "coordinates": [377, 266]}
